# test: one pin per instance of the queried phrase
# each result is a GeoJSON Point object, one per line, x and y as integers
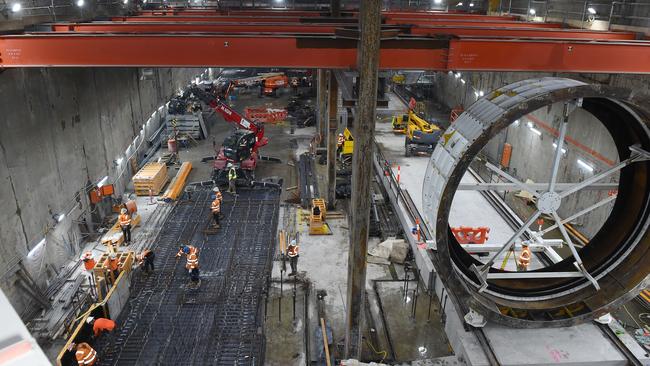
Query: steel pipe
{"type": "Point", "coordinates": [616, 257]}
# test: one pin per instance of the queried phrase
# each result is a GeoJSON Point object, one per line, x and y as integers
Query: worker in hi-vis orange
{"type": "Point", "coordinates": [125, 224]}
{"type": "Point", "coordinates": [524, 258]}
{"type": "Point", "coordinates": [89, 262]}
{"type": "Point", "coordinates": [85, 355]}
{"type": "Point", "coordinates": [216, 206]}
{"type": "Point", "coordinates": [100, 325]}
{"type": "Point", "coordinates": [292, 251]}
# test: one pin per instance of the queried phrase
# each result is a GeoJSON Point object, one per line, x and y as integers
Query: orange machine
{"type": "Point", "coordinates": [273, 83]}
{"type": "Point", "coordinates": [268, 82]}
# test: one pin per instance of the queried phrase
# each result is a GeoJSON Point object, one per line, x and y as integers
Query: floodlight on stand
{"type": "Point", "coordinates": [80, 3]}
{"type": "Point", "coordinates": [16, 7]}
{"type": "Point", "coordinates": [532, 11]}
{"type": "Point", "coordinates": [459, 4]}
{"type": "Point", "coordinates": [471, 5]}
{"type": "Point", "coordinates": [591, 11]}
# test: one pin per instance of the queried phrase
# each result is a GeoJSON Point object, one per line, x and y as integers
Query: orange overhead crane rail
{"type": "Point", "coordinates": [418, 40]}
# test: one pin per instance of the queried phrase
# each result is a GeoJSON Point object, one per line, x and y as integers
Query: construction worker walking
{"type": "Point", "coordinates": [292, 251]}
{"type": "Point", "coordinates": [216, 206]}
{"type": "Point", "coordinates": [85, 355]}
{"type": "Point", "coordinates": [100, 325]}
{"type": "Point", "coordinates": [125, 224]}
{"type": "Point", "coordinates": [145, 260]}
{"type": "Point", "coordinates": [232, 177]}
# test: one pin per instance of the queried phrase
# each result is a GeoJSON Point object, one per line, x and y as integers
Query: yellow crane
{"type": "Point", "coordinates": [421, 136]}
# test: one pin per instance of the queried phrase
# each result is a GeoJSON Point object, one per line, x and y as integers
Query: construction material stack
{"type": "Point", "coordinates": [150, 180]}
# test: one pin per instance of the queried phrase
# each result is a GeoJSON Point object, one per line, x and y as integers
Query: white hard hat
{"type": "Point", "coordinates": [215, 189]}
{"type": "Point", "coordinates": [112, 255]}
{"type": "Point", "coordinates": [293, 242]}
{"type": "Point", "coordinates": [340, 134]}
{"type": "Point", "coordinates": [89, 319]}
{"type": "Point", "coordinates": [123, 210]}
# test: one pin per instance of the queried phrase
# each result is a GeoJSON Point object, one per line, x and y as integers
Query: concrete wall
{"type": "Point", "coordinates": [532, 153]}
{"type": "Point", "coordinates": [63, 129]}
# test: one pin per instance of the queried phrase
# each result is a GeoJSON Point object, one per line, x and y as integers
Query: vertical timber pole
{"type": "Point", "coordinates": [335, 8]}
{"type": "Point", "coordinates": [322, 105]}
{"type": "Point", "coordinates": [368, 65]}
{"type": "Point", "coordinates": [331, 140]}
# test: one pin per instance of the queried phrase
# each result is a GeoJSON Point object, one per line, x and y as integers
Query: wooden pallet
{"type": "Point", "coordinates": [152, 177]}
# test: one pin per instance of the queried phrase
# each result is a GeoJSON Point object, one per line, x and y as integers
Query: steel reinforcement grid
{"type": "Point", "coordinates": [221, 323]}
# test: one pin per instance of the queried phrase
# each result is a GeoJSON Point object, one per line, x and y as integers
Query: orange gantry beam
{"type": "Point", "coordinates": [299, 28]}
{"type": "Point", "coordinates": [321, 52]}
{"type": "Point", "coordinates": [421, 40]}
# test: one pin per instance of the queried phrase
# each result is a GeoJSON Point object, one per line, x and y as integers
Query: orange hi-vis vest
{"type": "Point", "coordinates": [292, 251]}
{"type": "Point", "coordinates": [112, 264]}
{"type": "Point", "coordinates": [86, 355]}
{"type": "Point", "coordinates": [125, 220]}
{"type": "Point", "coordinates": [524, 257]}
{"type": "Point", "coordinates": [216, 205]}
{"type": "Point", "coordinates": [192, 261]}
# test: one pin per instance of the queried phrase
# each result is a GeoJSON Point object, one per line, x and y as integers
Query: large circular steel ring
{"type": "Point", "coordinates": [617, 256]}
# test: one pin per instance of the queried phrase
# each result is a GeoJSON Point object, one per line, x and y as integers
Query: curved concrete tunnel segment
{"type": "Point", "coordinates": [616, 256]}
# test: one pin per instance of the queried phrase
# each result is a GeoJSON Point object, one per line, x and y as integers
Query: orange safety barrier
{"type": "Point", "coordinates": [471, 235]}
{"type": "Point", "coordinates": [266, 115]}
{"type": "Point", "coordinates": [455, 112]}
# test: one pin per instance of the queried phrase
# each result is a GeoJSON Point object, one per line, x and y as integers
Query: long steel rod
{"type": "Point", "coordinates": [512, 179]}
{"type": "Point", "coordinates": [579, 213]}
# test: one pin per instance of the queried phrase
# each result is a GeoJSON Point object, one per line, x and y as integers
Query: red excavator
{"type": "Point", "coordinates": [240, 148]}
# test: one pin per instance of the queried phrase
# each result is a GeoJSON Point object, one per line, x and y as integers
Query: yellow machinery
{"type": "Point", "coordinates": [421, 136]}
{"type": "Point", "coordinates": [317, 224]}
{"type": "Point", "coordinates": [348, 145]}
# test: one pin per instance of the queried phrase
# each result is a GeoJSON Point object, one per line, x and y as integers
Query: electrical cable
{"type": "Point", "coordinates": [383, 352]}
{"type": "Point", "coordinates": [632, 317]}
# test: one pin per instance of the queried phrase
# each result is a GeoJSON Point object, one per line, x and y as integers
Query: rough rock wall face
{"type": "Point", "coordinates": [61, 129]}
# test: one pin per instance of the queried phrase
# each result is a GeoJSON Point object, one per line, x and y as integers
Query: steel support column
{"type": "Point", "coordinates": [370, 22]}
{"type": "Point", "coordinates": [322, 106]}
{"type": "Point", "coordinates": [333, 127]}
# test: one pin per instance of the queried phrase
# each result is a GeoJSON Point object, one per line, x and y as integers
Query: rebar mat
{"type": "Point", "coordinates": [165, 322]}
